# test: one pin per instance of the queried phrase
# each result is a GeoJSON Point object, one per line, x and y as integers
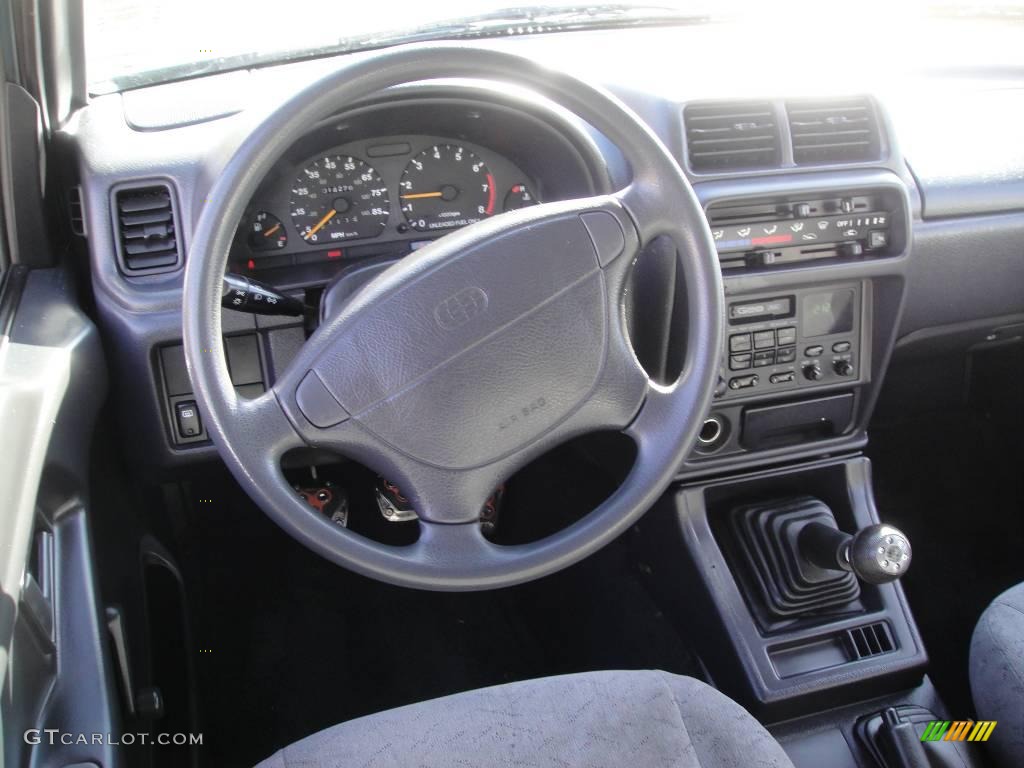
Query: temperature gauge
{"type": "Point", "coordinates": [519, 197]}
{"type": "Point", "coordinates": [266, 233]}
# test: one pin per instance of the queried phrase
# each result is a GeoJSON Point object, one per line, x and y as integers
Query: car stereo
{"type": "Point", "coordinates": [792, 340]}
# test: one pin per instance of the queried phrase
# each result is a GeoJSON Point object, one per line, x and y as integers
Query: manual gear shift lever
{"type": "Point", "coordinates": [877, 554]}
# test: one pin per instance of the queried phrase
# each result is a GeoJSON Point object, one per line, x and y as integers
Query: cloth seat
{"type": "Point", "coordinates": [638, 719]}
{"type": "Point", "coordinates": [997, 674]}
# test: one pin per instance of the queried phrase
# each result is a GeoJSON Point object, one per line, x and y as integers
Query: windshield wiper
{"type": "Point", "coordinates": [533, 20]}
{"type": "Point", "coordinates": [526, 20]}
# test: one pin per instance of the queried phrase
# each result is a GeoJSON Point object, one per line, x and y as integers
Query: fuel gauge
{"type": "Point", "coordinates": [266, 233]}
{"type": "Point", "coordinates": [519, 196]}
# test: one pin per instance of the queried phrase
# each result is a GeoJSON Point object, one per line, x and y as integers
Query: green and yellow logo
{"type": "Point", "coordinates": [958, 730]}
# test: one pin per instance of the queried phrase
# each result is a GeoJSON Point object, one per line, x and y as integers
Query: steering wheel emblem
{"type": "Point", "coordinates": [457, 310]}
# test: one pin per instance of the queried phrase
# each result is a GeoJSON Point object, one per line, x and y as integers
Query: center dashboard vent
{"type": "Point", "coordinates": [146, 227]}
{"type": "Point", "coordinates": [732, 136]}
{"type": "Point", "coordinates": [833, 130]}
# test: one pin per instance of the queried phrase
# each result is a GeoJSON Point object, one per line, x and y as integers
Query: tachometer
{"type": "Point", "coordinates": [338, 197]}
{"type": "Point", "coordinates": [444, 187]}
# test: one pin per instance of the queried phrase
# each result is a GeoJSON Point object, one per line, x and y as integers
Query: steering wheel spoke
{"type": "Point", "coordinates": [264, 416]}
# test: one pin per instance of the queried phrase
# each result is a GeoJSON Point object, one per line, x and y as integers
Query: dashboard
{"type": "Point", "coordinates": [832, 268]}
{"type": "Point", "coordinates": [396, 191]}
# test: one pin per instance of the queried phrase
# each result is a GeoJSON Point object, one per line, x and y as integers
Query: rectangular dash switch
{"type": "Point", "coordinates": [243, 359]}
{"type": "Point", "coordinates": [189, 424]}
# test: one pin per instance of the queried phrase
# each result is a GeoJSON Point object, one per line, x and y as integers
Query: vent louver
{"type": "Point", "coordinates": [833, 131]}
{"type": "Point", "coordinates": [732, 136]}
{"type": "Point", "coordinates": [870, 640]}
{"type": "Point", "coordinates": [146, 226]}
{"type": "Point", "coordinates": [76, 213]}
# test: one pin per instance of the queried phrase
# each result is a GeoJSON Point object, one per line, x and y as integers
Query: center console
{"type": "Point", "coordinates": [770, 554]}
{"type": "Point", "coordinates": [785, 636]}
{"type": "Point", "coordinates": [786, 583]}
{"type": "Point", "coordinates": [813, 279]}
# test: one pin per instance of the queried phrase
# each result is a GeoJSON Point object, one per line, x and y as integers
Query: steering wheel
{"type": "Point", "coordinates": [474, 355]}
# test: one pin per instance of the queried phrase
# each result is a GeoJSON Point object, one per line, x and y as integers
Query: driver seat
{"type": "Point", "coordinates": [638, 719]}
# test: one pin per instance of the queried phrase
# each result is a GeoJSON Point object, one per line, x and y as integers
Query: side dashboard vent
{"type": "Point", "coordinates": [833, 131]}
{"type": "Point", "coordinates": [146, 228]}
{"type": "Point", "coordinates": [732, 136]}
{"type": "Point", "coordinates": [76, 212]}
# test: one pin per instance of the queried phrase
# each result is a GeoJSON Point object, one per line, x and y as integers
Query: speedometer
{"type": "Point", "coordinates": [338, 197]}
{"type": "Point", "coordinates": [444, 187]}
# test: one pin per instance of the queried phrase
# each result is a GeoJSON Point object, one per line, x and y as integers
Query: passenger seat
{"type": "Point", "coordinates": [997, 674]}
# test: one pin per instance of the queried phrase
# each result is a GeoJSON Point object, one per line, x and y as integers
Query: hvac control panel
{"type": "Point", "coordinates": [751, 234]}
{"type": "Point", "coordinates": [792, 340]}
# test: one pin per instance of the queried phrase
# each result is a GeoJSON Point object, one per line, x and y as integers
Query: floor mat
{"type": "Point", "coordinates": [953, 481]}
{"type": "Point", "coordinates": [297, 644]}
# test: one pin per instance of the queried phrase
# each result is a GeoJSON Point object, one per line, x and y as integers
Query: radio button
{"type": "Point", "coordinates": [786, 336]}
{"type": "Point", "coordinates": [763, 358]}
{"type": "Point", "coordinates": [739, 342]}
{"type": "Point", "coordinates": [739, 362]}
{"type": "Point", "coordinates": [785, 355]}
{"type": "Point", "coordinates": [743, 382]}
{"type": "Point", "coordinates": [840, 347]}
{"type": "Point", "coordinates": [764, 339]}
{"type": "Point", "coordinates": [782, 378]}
{"type": "Point", "coordinates": [814, 351]}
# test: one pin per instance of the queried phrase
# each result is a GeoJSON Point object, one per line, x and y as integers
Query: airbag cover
{"type": "Point", "coordinates": [482, 354]}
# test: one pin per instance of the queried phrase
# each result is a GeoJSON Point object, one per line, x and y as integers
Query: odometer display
{"type": "Point", "coordinates": [445, 187]}
{"type": "Point", "coordinates": [338, 197]}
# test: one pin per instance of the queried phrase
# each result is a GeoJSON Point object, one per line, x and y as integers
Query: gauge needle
{"type": "Point", "coordinates": [272, 230]}
{"type": "Point", "coordinates": [320, 224]}
{"type": "Point", "coordinates": [421, 195]}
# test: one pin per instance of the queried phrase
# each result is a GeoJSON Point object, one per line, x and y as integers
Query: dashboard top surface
{"type": "Point", "coordinates": [939, 85]}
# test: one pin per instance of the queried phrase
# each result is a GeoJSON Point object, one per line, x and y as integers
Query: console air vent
{"type": "Point", "coordinates": [870, 640]}
{"type": "Point", "coordinates": [833, 130]}
{"type": "Point", "coordinates": [147, 231]}
{"type": "Point", "coordinates": [731, 136]}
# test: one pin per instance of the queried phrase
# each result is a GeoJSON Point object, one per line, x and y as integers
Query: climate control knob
{"type": "Point", "coordinates": [812, 372]}
{"type": "Point", "coordinates": [843, 367]}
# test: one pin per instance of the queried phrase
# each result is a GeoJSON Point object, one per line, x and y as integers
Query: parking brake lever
{"type": "Point", "coordinates": [247, 295]}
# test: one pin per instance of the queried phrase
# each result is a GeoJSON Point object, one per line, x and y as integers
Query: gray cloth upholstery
{"type": "Point", "coordinates": [997, 674]}
{"type": "Point", "coordinates": [607, 719]}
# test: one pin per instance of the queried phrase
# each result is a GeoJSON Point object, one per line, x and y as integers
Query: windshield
{"type": "Point", "coordinates": [130, 43]}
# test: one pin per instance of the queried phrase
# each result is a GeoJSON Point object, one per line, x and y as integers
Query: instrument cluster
{"type": "Point", "coordinates": [399, 189]}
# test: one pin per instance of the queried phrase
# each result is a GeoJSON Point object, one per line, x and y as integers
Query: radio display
{"type": "Point", "coordinates": [827, 312]}
{"type": "Point", "coordinates": [757, 311]}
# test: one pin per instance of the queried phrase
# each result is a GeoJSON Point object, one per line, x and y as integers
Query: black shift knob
{"type": "Point", "coordinates": [877, 554]}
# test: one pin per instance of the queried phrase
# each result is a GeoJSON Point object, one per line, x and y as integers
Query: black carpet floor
{"type": "Point", "coordinates": [297, 644]}
{"type": "Point", "coordinates": [953, 479]}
